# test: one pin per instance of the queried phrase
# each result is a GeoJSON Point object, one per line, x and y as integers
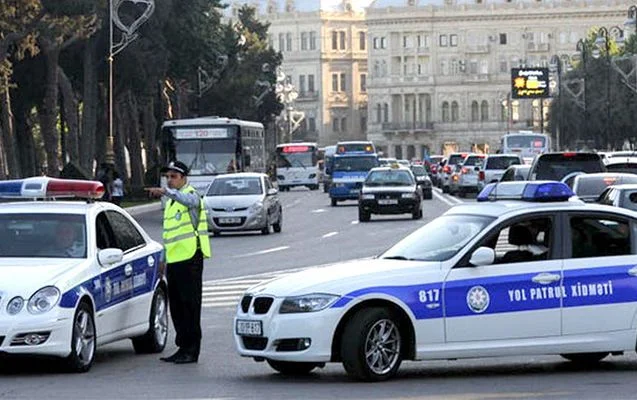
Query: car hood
{"type": "Point", "coordinates": [231, 201]}
{"type": "Point", "coordinates": [24, 276]}
{"type": "Point", "coordinates": [389, 189]}
{"type": "Point", "coordinates": [343, 278]}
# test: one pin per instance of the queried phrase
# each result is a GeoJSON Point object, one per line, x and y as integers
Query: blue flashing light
{"type": "Point", "coordinates": [537, 191]}
{"type": "Point", "coordinates": [11, 188]}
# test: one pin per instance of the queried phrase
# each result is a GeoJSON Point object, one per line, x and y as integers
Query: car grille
{"type": "Point", "coordinates": [390, 195]}
{"type": "Point", "coordinates": [262, 305]}
{"type": "Point", "coordinates": [229, 209]}
{"type": "Point", "coordinates": [245, 303]}
{"type": "Point", "coordinates": [216, 220]}
{"type": "Point", "coordinates": [254, 343]}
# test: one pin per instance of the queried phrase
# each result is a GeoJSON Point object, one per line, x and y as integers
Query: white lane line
{"type": "Point", "coordinates": [457, 200]}
{"type": "Point", "coordinates": [354, 222]}
{"type": "Point", "coordinates": [319, 210]}
{"type": "Point", "coordinates": [257, 253]}
{"type": "Point", "coordinates": [443, 199]}
{"type": "Point", "coordinates": [329, 234]}
{"type": "Point", "coordinates": [221, 298]}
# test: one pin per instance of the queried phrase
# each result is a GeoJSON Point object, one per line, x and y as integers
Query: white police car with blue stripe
{"type": "Point", "coordinates": [528, 270]}
{"type": "Point", "coordinates": [76, 274]}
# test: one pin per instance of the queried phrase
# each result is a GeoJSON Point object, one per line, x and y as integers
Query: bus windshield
{"type": "Point", "coordinates": [207, 156]}
{"type": "Point", "coordinates": [354, 163]}
{"type": "Point", "coordinates": [525, 142]}
{"type": "Point", "coordinates": [291, 157]}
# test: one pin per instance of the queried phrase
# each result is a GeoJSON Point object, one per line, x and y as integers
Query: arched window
{"type": "Point", "coordinates": [445, 111]}
{"type": "Point", "coordinates": [484, 110]}
{"type": "Point", "coordinates": [454, 111]}
{"type": "Point", "coordinates": [475, 111]}
{"type": "Point", "coordinates": [379, 116]}
{"type": "Point", "coordinates": [386, 112]}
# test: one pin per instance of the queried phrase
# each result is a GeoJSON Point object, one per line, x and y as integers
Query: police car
{"type": "Point", "coordinates": [527, 270]}
{"type": "Point", "coordinates": [76, 274]}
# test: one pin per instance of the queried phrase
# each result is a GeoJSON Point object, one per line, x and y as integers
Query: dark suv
{"type": "Point", "coordinates": [565, 166]}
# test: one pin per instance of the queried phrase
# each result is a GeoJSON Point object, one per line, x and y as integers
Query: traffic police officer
{"type": "Point", "coordinates": [187, 244]}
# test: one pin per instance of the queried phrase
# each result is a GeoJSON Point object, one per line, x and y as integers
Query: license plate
{"type": "Point", "coordinates": [387, 201]}
{"type": "Point", "coordinates": [231, 220]}
{"type": "Point", "coordinates": [249, 328]}
{"type": "Point", "coordinates": [354, 191]}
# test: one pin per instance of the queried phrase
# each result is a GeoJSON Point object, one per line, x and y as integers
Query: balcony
{"type": "Point", "coordinates": [308, 96]}
{"type": "Point", "coordinates": [477, 49]}
{"type": "Point", "coordinates": [538, 47]}
{"type": "Point", "coordinates": [338, 99]}
{"type": "Point", "coordinates": [476, 78]}
{"type": "Point", "coordinates": [388, 127]}
{"type": "Point", "coordinates": [423, 50]}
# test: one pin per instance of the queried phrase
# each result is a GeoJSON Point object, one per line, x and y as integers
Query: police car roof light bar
{"type": "Point", "coordinates": [538, 191]}
{"type": "Point", "coordinates": [44, 187]}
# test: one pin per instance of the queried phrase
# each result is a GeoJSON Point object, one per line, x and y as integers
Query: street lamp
{"type": "Point", "coordinates": [582, 47]}
{"type": "Point", "coordinates": [287, 94]}
{"type": "Point", "coordinates": [555, 65]}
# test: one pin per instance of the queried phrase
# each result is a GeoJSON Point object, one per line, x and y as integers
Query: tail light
{"type": "Point", "coordinates": [446, 169]}
{"type": "Point", "coordinates": [465, 170]}
{"type": "Point", "coordinates": [434, 169]}
{"type": "Point", "coordinates": [455, 178]}
{"type": "Point", "coordinates": [481, 175]}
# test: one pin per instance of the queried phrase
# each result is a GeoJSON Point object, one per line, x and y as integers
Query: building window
{"type": "Point", "coordinates": [484, 110]}
{"type": "Point", "coordinates": [281, 42]}
{"type": "Point", "coordinates": [288, 79]}
{"type": "Point", "coordinates": [444, 67]}
{"type": "Point", "coordinates": [361, 41]}
{"type": "Point", "coordinates": [385, 112]}
{"type": "Point", "coordinates": [443, 41]}
{"type": "Point", "coordinates": [379, 113]}
{"type": "Point", "coordinates": [335, 124]}
{"type": "Point", "coordinates": [376, 70]}
{"type": "Point", "coordinates": [363, 124]}
{"type": "Point", "coordinates": [303, 40]}
{"type": "Point", "coordinates": [455, 67]}
{"type": "Point", "coordinates": [302, 84]}
{"type": "Point", "coordinates": [454, 111]}
{"type": "Point", "coordinates": [312, 40]}
{"type": "Point", "coordinates": [343, 82]}
{"type": "Point", "coordinates": [407, 42]}
{"type": "Point", "coordinates": [288, 42]}
{"type": "Point", "coordinates": [341, 36]}
{"type": "Point", "coordinates": [383, 68]}
{"type": "Point", "coordinates": [503, 66]}
{"type": "Point", "coordinates": [334, 82]}
{"type": "Point", "coordinates": [445, 111]}
{"type": "Point", "coordinates": [343, 124]}
{"type": "Point", "coordinates": [475, 111]}
{"type": "Point", "coordinates": [453, 40]}
{"type": "Point", "coordinates": [312, 124]}
{"type": "Point", "coordinates": [334, 40]}
{"type": "Point", "coordinates": [363, 78]}
{"type": "Point", "coordinates": [310, 83]}
{"type": "Point", "coordinates": [503, 38]}
{"type": "Point", "coordinates": [473, 67]}
{"type": "Point", "coordinates": [375, 43]}
{"type": "Point", "coordinates": [382, 42]}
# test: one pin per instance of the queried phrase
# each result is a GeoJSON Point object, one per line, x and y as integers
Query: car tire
{"type": "Point", "coordinates": [361, 334]}
{"type": "Point", "coordinates": [585, 358]}
{"type": "Point", "coordinates": [279, 224]}
{"type": "Point", "coordinates": [445, 189]}
{"type": "Point", "coordinates": [417, 214]}
{"type": "Point", "coordinates": [334, 202]}
{"type": "Point", "coordinates": [314, 187]}
{"type": "Point", "coordinates": [83, 340]}
{"type": "Point", "coordinates": [363, 216]}
{"type": "Point", "coordinates": [266, 229]}
{"type": "Point", "coordinates": [292, 368]}
{"type": "Point", "coordinates": [326, 188]}
{"type": "Point", "coordinates": [154, 340]}
{"type": "Point", "coordinates": [428, 195]}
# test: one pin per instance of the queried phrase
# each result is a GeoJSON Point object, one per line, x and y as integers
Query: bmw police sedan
{"type": "Point", "coordinates": [527, 270]}
{"type": "Point", "coordinates": [76, 274]}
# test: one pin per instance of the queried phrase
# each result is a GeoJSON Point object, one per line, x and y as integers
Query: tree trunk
{"type": "Point", "coordinates": [90, 100]}
{"type": "Point", "coordinates": [70, 105]}
{"type": "Point", "coordinates": [119, 133]}
{"type": "Point", "coordinates": [30, 163]}
{"type": "Point", "coordinates": [10, 157]}
{"type": "Point", "coordinates": [149, 127]}
{"type": "Point", "coordinates": [134, 144]}
{"type": "Point", "coordinates": [48, 110]}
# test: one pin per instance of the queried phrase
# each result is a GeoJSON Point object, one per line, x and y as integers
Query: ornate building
{"type": "Point", "coordinates": [440, 75]}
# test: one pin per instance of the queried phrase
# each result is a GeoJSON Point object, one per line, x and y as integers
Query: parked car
{"type": "Point", "coordinates": [589, 187]}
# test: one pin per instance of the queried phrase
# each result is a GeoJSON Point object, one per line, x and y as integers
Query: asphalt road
{"type": "Point", "coordinates": [313, 234]}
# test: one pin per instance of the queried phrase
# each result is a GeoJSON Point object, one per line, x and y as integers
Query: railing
{"type": "Point", "coordinates": [477, 48]}
{"type": "Point", "coordinates": [403, 126]}
{"type": "Point", "coordinates": [308, 96]}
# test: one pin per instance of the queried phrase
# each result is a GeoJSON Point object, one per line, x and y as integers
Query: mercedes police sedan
{"type": "Point", "coordinates": [75, 275]}
{"type": "Point", "coordinates": [527, 270]}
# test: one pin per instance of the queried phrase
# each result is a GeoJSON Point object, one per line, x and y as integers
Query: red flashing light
{"type": "Point", "coordinates": [538, 143]}
{"type": "Point", "coordinates": [74, 188]}
{"type": "Point", "coordinates": [609, 181]}
{"type": "Point", "coordinates": [296, 149]}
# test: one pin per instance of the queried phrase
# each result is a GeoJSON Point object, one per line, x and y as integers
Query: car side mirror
{"type": "Point", "coordinates": [272, 191]}
{"type": "Point", "coordinates": [108, 257]}
{"type": "Point", "coordinates": [482, 256]}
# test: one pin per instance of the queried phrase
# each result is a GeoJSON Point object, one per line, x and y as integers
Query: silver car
{"type": "Point", "coordinates": [243, 202]}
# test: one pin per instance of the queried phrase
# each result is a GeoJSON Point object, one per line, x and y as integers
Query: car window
{"type": "Point", "coordinates": [599, 237]}
{"type": "Point", "coordinates": [630, 200]}
{"type": "Point", "coordinates": [235, 187]}
{"type": "Point", "coordinates": [418, 170]}
{"type": "Point", "coordinates": [508, 175]}
{"type": "Point", "coordinates": [473, 161]}
{"type": "Point", "coordinates": [606, 196]}
{"type": "Point", "coordinates": [630, 168]}
{"type": "Point", "coordinates": [521, 174]}
{"type": "Point", "coordinates": [501, 162]}
{"type": "Point", "coordinates": [456, 159]}
{"type": "Point", "coordinates": [126, 234]}
{"type": "Point", "coordinates": [554, 167]}
{"type": "Point", "coordinates": [522, 241]}
{"type": "Point", "coordinates": [389, 178]}
{"type": "Point", "coordinates": [104, 233]}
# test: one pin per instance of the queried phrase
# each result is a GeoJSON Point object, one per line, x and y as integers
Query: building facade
{"type": "Point", "coordinates": [325, 58]}
{"type": "Point", "coordinates": [440, 76]}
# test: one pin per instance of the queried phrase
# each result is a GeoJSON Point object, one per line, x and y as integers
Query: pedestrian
{"type": "Point", "coordinates": [186, 244]}
{"type": "Point", "coordinates": [117, 193]}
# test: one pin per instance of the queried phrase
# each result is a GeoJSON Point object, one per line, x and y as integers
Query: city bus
{"type": "Point", "coordinates": [525, 143]}
{"type": "Point", "coordinates": [297, 165]}
{"type": "Point", "coordinates": [328, 157]}
{"type": "Point", "coordinates": [355, 146]}
{"type": "Point", "coordinates": [213, 145]}
{"type": "Point", "coordinates": [349, 169]}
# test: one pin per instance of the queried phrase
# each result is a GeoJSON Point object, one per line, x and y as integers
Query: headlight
{"type": "Point", "coordinates": [256, 207]}
{"type": "Point", "coordinates": [420, 178]}
{"type": "Point", "coordinates": [408, 195]}
{"type": "Point", "coordinates": [308, 303]}
{"type": "Point", "coordinates": [43, 300]}
{"type": "Point", "coordinates": [367, 196]}
{"type": "Point", "coordinates": [15, 305]}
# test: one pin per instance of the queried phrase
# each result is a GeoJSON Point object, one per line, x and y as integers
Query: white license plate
{"type": "Point", "coordinates": [249, 328]}
{"type": "Point", "coordinates": [354, 191]}
{"type": "Point", "coordinates": [231, 220]}
{"type": "Point", "coordinates": [387, 201]}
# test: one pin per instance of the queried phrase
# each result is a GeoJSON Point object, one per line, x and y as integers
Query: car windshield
{"type": "Point", "coordinates": [630, 168]}
{"type": "Point", "coordinates": [418, 170]}
{"type": "Point", "coordinates": [389, 178]}
{"type": "Point", "coordinates": [43, 235]}
{"type": "Point", "coordinates": [235, 187]}
{"type": "Point", "coordinates": [355, 163]}
{"type": "Point", "coordinates": [440, 239]}
{"type": "Point", "coordinates": [554, 167]}
{"type": "Point", "coordinates": [456, 159]}
{"type": "Point", "coordinates": [502, 162]}
{"type": "Point", "coordinates": [473, 161]}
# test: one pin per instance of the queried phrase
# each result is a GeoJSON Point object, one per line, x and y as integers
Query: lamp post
{"type": "Point", "coordinates": [287, 94]}
{"type": "Point", "coordinates": [556, 66]}
{"type": "Point", "coordinates": [582, 47]}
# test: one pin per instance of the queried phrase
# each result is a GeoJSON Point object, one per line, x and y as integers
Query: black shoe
{"type": "Point", "coordinates": [186, 358]}
{"type": "Point", "coordinates": [172, 358]}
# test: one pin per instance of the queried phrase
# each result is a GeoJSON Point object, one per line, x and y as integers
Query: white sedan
{"type": "Point", "coordinates": [76, 274]}
{"type": "Point", "coordinates": [527, 270]}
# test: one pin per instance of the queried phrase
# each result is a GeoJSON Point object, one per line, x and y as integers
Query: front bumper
{"type": "Point", "coordinates": [407, 205]}
{"type": "Point", "coordinates": [318, 327]}
{"type": "Point", "coordinates": [244, 221]}
{"type": "Point", "coordinates": [345, 192]}
{"type": "Point", "coordinates": [56, 325]}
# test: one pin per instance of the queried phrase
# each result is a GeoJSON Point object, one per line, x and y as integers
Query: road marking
{"type": "Point", "coordinates": [329, 234]}
{"type": "Point", "coordinates": [319, 210]}
{"type": "Point", "coordinates": [258, 253]}
{"type": "Point", "coordinates": [443, 199]}
{"type": "Point", "coordinates": [355, 222]}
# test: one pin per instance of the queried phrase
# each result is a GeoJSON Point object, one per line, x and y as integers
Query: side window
{"type": "Point", "coordinates": [599, 237]}
{"type": "Point", "coordinates": [522, 241]}
{"type": "Point", "coordinates": [104, 233]}
{"type": "Point", "coordinates": [268, 185]}
{"type": "Point", "coordinates": [127, 236]}
{"type": "Point", "coordinates": [508, 176]}
{"type": "Point", "coordinates": [631, 200]}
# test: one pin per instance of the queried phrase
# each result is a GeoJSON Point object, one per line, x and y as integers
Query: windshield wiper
{"type": "Point", "coordinates": [397, 258]}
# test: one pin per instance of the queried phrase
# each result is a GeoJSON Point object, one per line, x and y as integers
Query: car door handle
{"type": "Point", "coordinates": [632, 271]}
{"type": "Point", "coordinates": [545, 278]}
{"type": "Point", "coordinates": [128, 270]}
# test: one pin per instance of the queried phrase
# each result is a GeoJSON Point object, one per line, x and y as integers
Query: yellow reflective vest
{"type": "Point", "coordinates": [180, 236]}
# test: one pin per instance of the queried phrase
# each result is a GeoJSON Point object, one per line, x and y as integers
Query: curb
{"type": "Point", "coordinates": [144, 208]}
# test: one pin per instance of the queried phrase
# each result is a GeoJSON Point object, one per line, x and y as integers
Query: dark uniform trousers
{"type": "Point", "coordinates": [184, 295]}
